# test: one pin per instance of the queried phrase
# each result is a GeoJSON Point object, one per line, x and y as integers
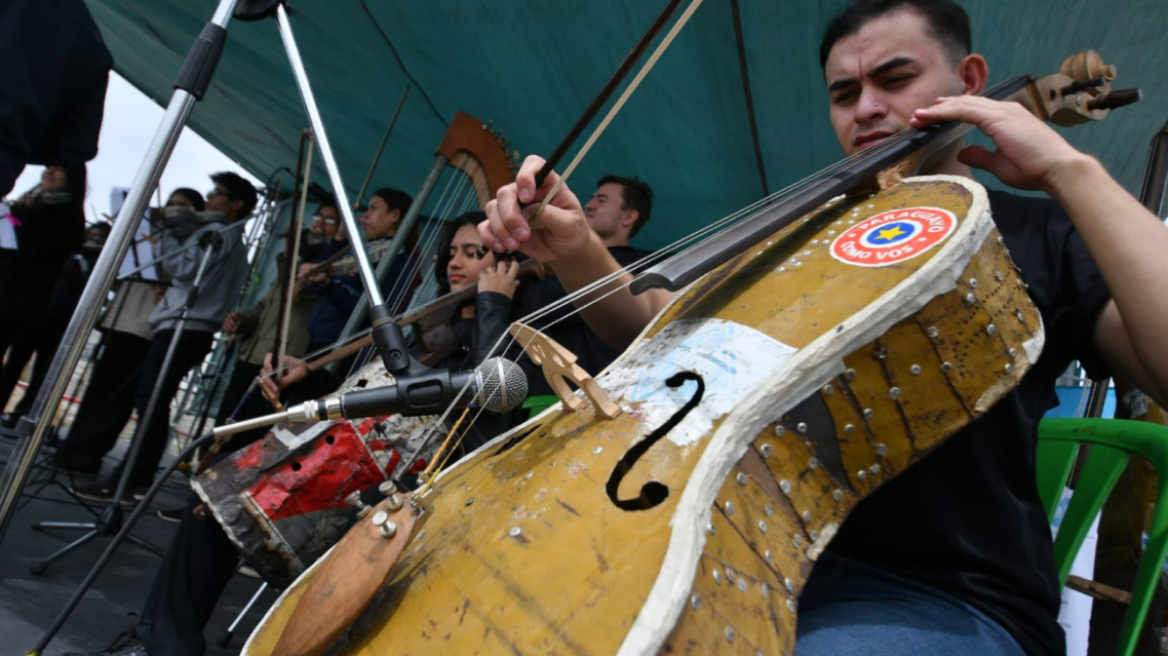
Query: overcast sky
{"type": "Point", "coordinates": [127, 129]}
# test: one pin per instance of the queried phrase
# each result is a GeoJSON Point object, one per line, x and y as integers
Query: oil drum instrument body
{"type": "Point", "coordinates": [281, 499]}
{"type": "Point", "coordinates": [759, 408]}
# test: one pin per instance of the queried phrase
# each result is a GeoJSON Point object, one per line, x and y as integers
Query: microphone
{"type": "Point", "coordinates": [498, 385]}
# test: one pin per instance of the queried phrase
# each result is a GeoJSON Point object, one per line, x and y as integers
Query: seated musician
{"type": "Point", "coordinates": [476, 330]}
{"type": "Point", "coordinates": [954, 556]}
{"type": "Point", "coordinates": [341, 293]}
{"type": "Point", "coordinates": [618, 209]}
{"type": "Point", "coordinates": [256, 328]}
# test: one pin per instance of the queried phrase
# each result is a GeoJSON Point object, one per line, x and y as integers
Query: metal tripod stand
{"type": "Point", "coordinates": [111, 519]}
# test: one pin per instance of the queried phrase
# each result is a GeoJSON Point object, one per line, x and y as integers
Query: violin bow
{"type": "Point", "coordinates": [606, 92]}
{"type": "Point", "coordinates": [292, 249]}
{"type": "Point", "coordinates": [380, 149]}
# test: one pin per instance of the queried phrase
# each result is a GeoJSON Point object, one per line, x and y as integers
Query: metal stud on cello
{"type": "Point", "coordinates": [794, 375]}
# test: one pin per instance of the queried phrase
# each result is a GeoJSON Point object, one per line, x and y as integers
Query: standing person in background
{"type": "Point", "coordinates": [56, 69]}
{"type": "Point", "coordinates": [231, 201]}
{"type": "Point", "coordinates": [109, 398]}
{"type": "Point", "coordinates": [49, 223]}
{"type": "Point", "coordinates": [45, 338]}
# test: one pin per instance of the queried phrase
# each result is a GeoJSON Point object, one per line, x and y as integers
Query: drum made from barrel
{"type": "Point", "coordinates": [281, 500]}
{"type": "Point", "coordinates": [785, 386]}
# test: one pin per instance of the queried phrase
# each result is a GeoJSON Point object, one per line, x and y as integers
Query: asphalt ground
{"type": "Point", "coordinates": [30, 602]}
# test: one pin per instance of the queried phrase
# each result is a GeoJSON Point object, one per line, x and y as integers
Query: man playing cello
{"type": "Point", "coordinates": [954, 556]}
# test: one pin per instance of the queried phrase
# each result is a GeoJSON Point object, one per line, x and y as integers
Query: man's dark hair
{"type": "Point", "coordinates": [396, 199]}
{"type": "Point", "coordinates": [636, 194]}
{"type": "Point", "coordinates": [948, 24]}
{"type": "Point", "coordinates": [328, 201]}
{"type": "Point", "coordinates": [400, 201]}
{"type": "Point", "coordinates": [237, 189]}
{"type": "Point", "coordinates": [193, 196]}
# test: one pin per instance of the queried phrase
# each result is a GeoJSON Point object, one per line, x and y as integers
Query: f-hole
{"type": "Point", "coordinates": [652, 493]}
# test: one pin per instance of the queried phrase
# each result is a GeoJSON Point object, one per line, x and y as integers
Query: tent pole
{"type": "Point", "coordinates": [189, 87]}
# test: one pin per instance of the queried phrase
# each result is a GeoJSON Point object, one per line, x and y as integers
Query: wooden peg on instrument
{"type": "Point", "coordinates": [559, 366]}
{"type": "Point", "coordinates": [273, 399]}
{"type": "Point", "coordinates": [1066, 98]}
{"type": "Point", "coordinates": [344, 584]}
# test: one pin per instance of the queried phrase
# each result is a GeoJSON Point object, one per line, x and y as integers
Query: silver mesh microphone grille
{"type": "Point", "coordinates": [502, 385]}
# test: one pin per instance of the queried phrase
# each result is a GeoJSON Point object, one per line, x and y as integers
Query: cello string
{"type": "Point", "coordinates": [642, 264]}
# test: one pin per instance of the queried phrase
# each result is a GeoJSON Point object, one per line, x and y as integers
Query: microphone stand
{"type": "Point", "coordinates": [111, 519]}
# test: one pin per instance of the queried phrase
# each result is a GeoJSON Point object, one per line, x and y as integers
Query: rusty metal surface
{"type": "Point", "coordinates": [281, 500]}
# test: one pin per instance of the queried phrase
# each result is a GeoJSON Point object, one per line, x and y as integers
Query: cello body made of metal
{"type": "Point", "coordinates": [759, 408]}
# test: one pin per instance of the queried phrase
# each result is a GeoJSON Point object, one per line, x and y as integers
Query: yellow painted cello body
{"type": "Point", "coordinates": [758, 409]}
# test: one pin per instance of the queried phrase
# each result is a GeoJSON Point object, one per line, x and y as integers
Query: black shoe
{"type": "Point", "coordinates": [172, 514]}
{"type": "Point", "coordinates": [75, 467]}
{"type": "Point", "coordinates": [103, 492]}
{"type": "Point", "coordinates": [123, 645]}
{"type": "Point", "coordinates": [10, 419]}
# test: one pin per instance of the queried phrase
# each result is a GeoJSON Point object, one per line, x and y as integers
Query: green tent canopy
{"type": "Point", "coordinates": [532, 67]}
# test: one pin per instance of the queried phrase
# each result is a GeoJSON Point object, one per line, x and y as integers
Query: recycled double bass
{"type": "Point", "coordinates": [760, 406]}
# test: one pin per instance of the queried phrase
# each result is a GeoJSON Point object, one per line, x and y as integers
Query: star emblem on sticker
{"type": "Point", "coordinates": [888, 233]}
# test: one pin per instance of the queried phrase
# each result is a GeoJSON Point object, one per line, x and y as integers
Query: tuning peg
{"type": "Point", "coordinates": [354, 500]}
{"type": "Point", "coordinates": [394, 503]}
{"type": "Point", "coordinates": [1083, 85]}
{"type": "Point", "coordinates": [1115, 99]}
{"type": "Point", "coordinates": [387, 488]}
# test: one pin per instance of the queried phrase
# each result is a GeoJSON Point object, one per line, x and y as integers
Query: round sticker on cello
{"type": "Point", "coordinates": [894, 236]}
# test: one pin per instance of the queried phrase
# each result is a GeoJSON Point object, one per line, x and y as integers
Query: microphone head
{"type": "Point", "coordinates": [502, 385]}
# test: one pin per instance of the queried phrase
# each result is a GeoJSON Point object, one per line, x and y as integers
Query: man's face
{"type": "Point", "coordinates": [604, 212]}
{"type": "Point", "coordinates": [326, 221]}
{"type": "Point", "coordinates": [218, 200]}
{"type": "Point", "coordinates": [877, 77]}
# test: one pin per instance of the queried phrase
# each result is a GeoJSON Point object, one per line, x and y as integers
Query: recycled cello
{"type": "Point", "coordinates": [839, 337]}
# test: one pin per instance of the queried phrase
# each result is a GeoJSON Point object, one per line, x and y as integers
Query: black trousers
{"type": "Point", "coordinates": [192, 348]}
{"type": "Point", "coordinates": [196, 569]}
{"type": "Point", "coordinates": [108, 400]}
{"type": "Point", "coordinates": [234, 404]}
{"type": "Point", "coordinates": [43, 341]}
{"type": "Point", "coordinates": [201, 559]}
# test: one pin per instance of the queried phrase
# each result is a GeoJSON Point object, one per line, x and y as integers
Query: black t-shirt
{"type": "Point", "coordinates": [967, 520]}
{"type": "Point", "coordinates": [566, 325]}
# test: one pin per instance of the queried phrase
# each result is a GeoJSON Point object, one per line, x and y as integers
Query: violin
{"type": "Point", "coordinates": [800, 368]}
{"type": "Point", "coordinates": [431, 322]}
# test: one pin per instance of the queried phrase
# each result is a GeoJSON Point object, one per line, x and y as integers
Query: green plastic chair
{"type": "Point", "coordinates": [1113, 443]}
